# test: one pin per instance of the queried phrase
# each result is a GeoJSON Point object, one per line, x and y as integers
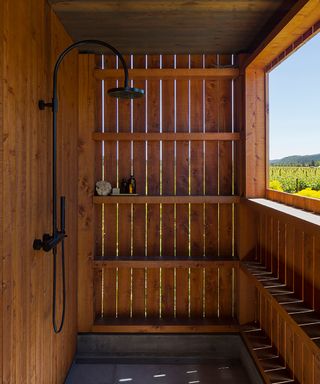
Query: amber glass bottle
{"type": "Point", "coordinates": [132, 185]}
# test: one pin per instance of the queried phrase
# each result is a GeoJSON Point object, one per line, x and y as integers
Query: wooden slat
{"type": "Point", "coordinates": [196, 163]}
{"type": "Point", "coordinates": [124, 212]}
{"type": "Point", "coordinates": [124, 292]}
{"type": "Point", "coordinates": [153, 293]}
{"type": "Point", "coordinates": [309, 270]}
{"type": "Point", "coordinates": [182, 159]}
{"type": "Point", "coordinates": [182, 293]}
{"type": "Point", "coordinates": [110, 161]}
{"type": "Point", "coordinates": [167, 295]}
{"type": "Point", "coordinates": [127, 199]}
{"type": "Point", "coordinates": [290, 266]}
{"type": "Point", "coordinates": [168, 188]}
{"type": "Point", "coordinates": [211, 292]}
{"type": "Point", "coordinates": [138, 291]}
{"type": "Point", "coordinates": [196, 293]}
{"type": "Point", "coordinates": [225, 293]}
{"type": "Point", "coordinates": [153, 188]}
{"type": "Point", "coordinates": [97, 296]}
{"type": "Point", "coordinates": [139, 169]}
{"type": "Point", "coordinates": [165, 136]}
{"type": "Point", "coordinates": [109, 292]}
{"type": "Point", "coordinates": [225, 161]}
{"type": "Point", "coordinates": [168, 73]}
{"type": "Point", "coordinates": [165, 326]}
{"type": "Point", "coordinates": [211, 160]}
{"type": "Point", "coordinates": [148, 262]}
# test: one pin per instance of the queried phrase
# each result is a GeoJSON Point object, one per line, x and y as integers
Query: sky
{"type": "Point", "coordinates": [294, 103]}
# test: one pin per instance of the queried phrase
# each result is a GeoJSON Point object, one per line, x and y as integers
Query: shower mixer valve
{"type": "Point", "coordinates": [48, 241]}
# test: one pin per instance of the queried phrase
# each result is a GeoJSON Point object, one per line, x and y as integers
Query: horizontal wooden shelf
{"type": "Point", "coordinates": [152, 325]}
{"type": "Point", "coordinates": [164, 262]}
{"type": "Point", "coordinates": [165, 199]}
{"type": "Point", "coordinates": [169, 74]}
{"type": "Point", "coordinates": [210, 136]}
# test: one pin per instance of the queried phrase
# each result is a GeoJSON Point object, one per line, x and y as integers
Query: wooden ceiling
{"type": "Point", "coordinates": [167, 26]}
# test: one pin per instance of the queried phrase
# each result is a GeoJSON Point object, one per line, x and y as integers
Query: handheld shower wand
{"type": "Point", "coordinates": [51, 241]}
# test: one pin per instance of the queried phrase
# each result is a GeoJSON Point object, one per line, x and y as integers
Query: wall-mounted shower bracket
{"type": "Point", "coordinates": [43, 105]}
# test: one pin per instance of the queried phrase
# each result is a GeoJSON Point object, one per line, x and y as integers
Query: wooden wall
{"type": "Point", "coordinates": [284, 284]}
{"type": "Point", "coordinates": [187, 195]}
{"type": "Point", "coordinates": [31, 37]}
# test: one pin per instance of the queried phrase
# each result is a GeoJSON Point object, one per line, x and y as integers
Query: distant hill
{"type": "Point", "coordinates": [297, 160]}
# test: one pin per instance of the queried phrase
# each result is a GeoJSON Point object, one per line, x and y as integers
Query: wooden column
{"type": "Point", "coordinates": [255, 132]}
{"type": "Point", "coordinates": [86, 182]}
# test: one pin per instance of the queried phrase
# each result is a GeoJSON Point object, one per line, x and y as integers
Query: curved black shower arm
{"type": "Point", "coordinates": [55, 109]}
{"type": "Point", "coordinates": [87, 42]}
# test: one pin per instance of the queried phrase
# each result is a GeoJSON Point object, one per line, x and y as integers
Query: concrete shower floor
{"type": "Point", "coordinates": [217, 372]}
{"type": "Point", "coordinates": [162, 359]}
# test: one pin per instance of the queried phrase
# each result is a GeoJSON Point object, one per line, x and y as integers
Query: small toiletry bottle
{"type": "Point", "coordinates": [124, 186]}
{"type": "Point", "coordinates": [132, 185]}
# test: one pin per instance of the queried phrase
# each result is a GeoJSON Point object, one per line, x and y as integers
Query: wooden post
{"type": "Point", "coordinates": [86, 180]}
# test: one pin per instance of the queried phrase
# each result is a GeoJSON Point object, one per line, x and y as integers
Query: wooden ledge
{"type": "Point", "coordinates": [165, 325]}
{"type": "Point", "coordinates": [282, 209]}
{"type": "Point", "coordinates": [165, 199]}
{"type": "Point", "coordinates": [169, 74]}
{"type": "Point", "coordinates": [165, 262]}
{"type": "Point", "coordinates": [301, 202]}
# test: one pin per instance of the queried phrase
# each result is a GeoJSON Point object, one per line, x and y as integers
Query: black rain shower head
{"type": "Point", "coordinates": [126, 93]}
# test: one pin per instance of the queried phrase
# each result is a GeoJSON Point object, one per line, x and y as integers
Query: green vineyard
{"type": "Point", "coordinates": [302, 180]}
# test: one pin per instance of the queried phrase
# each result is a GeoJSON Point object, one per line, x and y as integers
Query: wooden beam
{"type": "Point", "coordinates": [255, 133]}
{"type": "Point", "coordinates": [157, 6]}
{"type": "Point", "coordinates": [298, 20]}
{"type": "Point", "coordinates": [86, 177]}
{"type": "Point", "coordinates": [163, 326]}
{"type": "Point", "coordinates": [216, 136]}
{"type": "Point", "coordinates": [127, 199]}
{"type": "Point", "coordinates": [165, 263]}
{"type": "Point", "coordinates": [169, 73]}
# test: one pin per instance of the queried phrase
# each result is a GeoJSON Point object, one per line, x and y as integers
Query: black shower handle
{"type": "Point", "coordinates": [51, 241]}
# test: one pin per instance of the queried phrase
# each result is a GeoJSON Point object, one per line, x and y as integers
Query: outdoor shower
{"type": "Point", "coordinates": [50, 241]}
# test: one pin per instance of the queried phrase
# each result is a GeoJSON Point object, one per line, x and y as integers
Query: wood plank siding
{"type": "Point", "coordinates": [186, 196]}
{"type": "Point", "coordinates": [31, 38]}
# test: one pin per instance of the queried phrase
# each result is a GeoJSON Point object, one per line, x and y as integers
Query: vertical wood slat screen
{"type": "Point", "coordinates": [290, 253]}
{"type": "Point", "coordinates": [168, 168]}
{"type": "Point", "coordinates": [288, 310]}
